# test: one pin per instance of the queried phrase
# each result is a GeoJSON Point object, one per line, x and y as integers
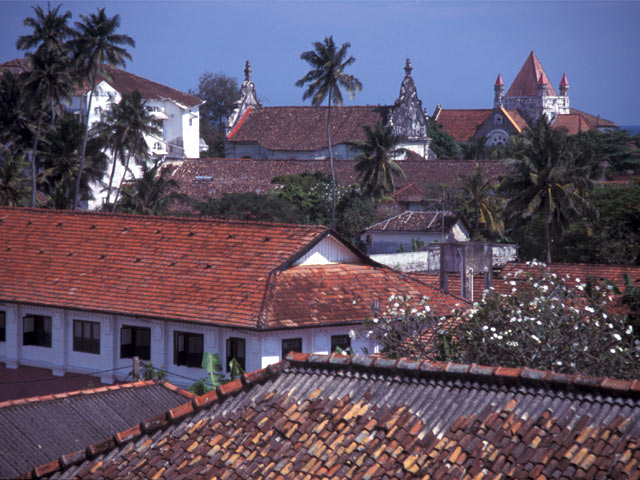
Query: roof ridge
{"type": "Point", "coordinates": [471, 372]}
{"type": "Point", "coordinates": [147, 218]}
{"type": "Point", "coordinates": [92, 391]}
{"type": "Point", "coordinates": [164, 420]}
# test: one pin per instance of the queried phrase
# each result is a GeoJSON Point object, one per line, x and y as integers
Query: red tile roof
{"type": "Point", "coordinates": [198, 270]}
{"type": "Point", "coordinates": [463, 124]}
{"type": "Point", "coordinates": [212, 177]}
{"type": "Point", "coordinates": [314, 295]}
{"type": "Point", "coordinates": [16, 66]}
{"type": "Point", "coordinates": [305, 128]}
{"type": "Point", "coordinates": [127, 82]}
{"type": "Point", "coordinates": [318, 416]}
{"type": "Point", "coordinates": [414, 221]}
{"type": "Point", "coordinates": [526, 82]}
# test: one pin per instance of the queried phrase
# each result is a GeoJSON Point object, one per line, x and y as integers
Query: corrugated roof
{"type": "Point", "coordinates": [415, 221]}
{"type": "Point", "coordinates": [305, 128]}
{"type": "Point", "coordinates": [40, 429]}
{"type": "Point", "coordinates": [318, 416]}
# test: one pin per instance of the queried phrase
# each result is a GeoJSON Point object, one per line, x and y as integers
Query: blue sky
{"type": "Point", "coordinates": [457, 47]}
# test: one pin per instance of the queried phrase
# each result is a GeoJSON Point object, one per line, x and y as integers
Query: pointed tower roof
{"type": "Point", "coordinates": [564, 82]}
{"type": "Point", "coordinates": [541, 80]}
{"type": "Point", "coordinates": [526, 82]}
{"type": "Point", "coordinates": [499, 82]}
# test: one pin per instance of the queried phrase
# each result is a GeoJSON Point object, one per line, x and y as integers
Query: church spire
{"type": "Point", "coordinates": [248, 99]}
{"type": "Point", "coordinates": [498, 89]}
{"type": "Point", "coordinates": [564, 85]}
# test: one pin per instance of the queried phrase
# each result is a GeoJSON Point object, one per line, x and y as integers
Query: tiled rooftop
{"type": "Point", "coordinates": [463, 124]}
{"type": "Point", "coordinates": [305, 128]}
{"type": "Point", "coordinates": [526, 82]}
{"type": "Point", "coordinates": [39, 430]}
{"type": "Point", "coordinates": [206, 271]}
{"type": "Point", "coordinates": [343, 293]}
{"type": "Point", "coordinates": [317, 416]}
{"type": "Point", "coordinates": [212, 177]}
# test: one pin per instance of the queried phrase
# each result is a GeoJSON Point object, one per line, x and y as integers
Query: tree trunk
{"type": "Point", "coordinates": [547, 234]}
{"type": "Point", "coordinates": [34, 163]}
{"type": "Point", "coordinates": [113, 172]}
{"type": "Point", "coordinates": [76, 194]}
{"type": "Point", "coordinates": [333, 174]}
{"type": "Point", "coordinates": [115, 201]}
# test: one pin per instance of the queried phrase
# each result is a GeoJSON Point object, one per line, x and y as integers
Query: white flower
{"type": "Point", "coordinates": [589, 309]}
{"type": "Point", "coordinates": [375, 320]}
{"type": "Point", "coordinates": [512, 282]}
{"type": "Point", "coordinates": [536, 338]}
{"type": "Point", "coordinates": [485, 328]}
{"type": "Point", "coordinates": [617, 336]}
{"type": "Point", "coordinates": [559, 362]}
{"type": "Point", "coordinates": [493, 329]}
{"type": "Point", "coordinates": [612, 350]}
{"type": "Point", "coordinates": [577, 280]}
{"type": "Point", "coordinates": [352, 333]}
{"type": "Point", "coordinates": [629, 330]}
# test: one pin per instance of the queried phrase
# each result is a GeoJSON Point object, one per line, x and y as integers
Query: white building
{"type": "Point", "coordinates": [176, 114]}
{"type": "Point", "coordinates": [84, 292]}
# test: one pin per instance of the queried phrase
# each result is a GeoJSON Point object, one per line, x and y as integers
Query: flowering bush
{"type": "Point", "coordinates": [547, 322]}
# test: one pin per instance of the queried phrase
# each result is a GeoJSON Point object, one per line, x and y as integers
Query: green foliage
{"type": "Point", "coordinates": [355, 212]}
{"type": "Point", "coordinates": [375, 165]}
{"type": "Point", "coordinates": [546, 324]}
{"type": "Point", "coordinates": [442, 142]}
{"type": "Point", "coordinates": [213, 365]}
{"type": "Point", "coordinates": [310, 192]}
{"type": "Point", "coordinates": [14, 184]}
{"type": "Point", "coordinates": [267, 207]}
{"type": "Point", "coordinates": [326, 80]}
{"type": "Point", "coordinates": [480, 198]}
{"type": "Point", "coordinates": [611, 146]}
{"type": "Point", "coordinates": [549, 182]}
{"type": "Point", "coordinates": [149, 372]}
{"type": "Point", "coordinates": [219, 93]}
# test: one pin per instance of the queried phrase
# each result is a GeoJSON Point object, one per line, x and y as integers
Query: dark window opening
{"type": "Point", "coordinates": [291, 345]}
{"type": "Point", "coordinates": [37, 331]}
{"type": "Point", "coordinates": [340, 341]}
{"type": "Point", "coordinates": [86, 336]}
{"type": "Point", "coordinates": [135, 342]}
{"type": "Point", "coordinates": [187, 349]}
{"type": "Point", "coordinates": [3, 326]}
{"type": "Point", "coordinates": [236, 349]}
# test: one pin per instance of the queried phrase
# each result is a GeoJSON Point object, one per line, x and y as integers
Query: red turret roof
{"type": "Point", "coordinates": [541, 80]}
{"type": "Point", "coordinates": [526, 82]}
{"type": "Point", "coordinates": [499, 82]}
{"type": "Point", "coordinates": [564, 82]}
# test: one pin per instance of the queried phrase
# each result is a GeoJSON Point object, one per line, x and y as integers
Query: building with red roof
{"type": "Point", "coordinates": [85, 292]}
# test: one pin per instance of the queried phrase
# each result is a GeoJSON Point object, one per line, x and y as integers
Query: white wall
{"type": "Point", "coordinates": [262, 347]}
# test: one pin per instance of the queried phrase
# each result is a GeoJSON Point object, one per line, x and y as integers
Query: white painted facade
{"type": "Point", "coordinates": [262, 347]}
{"type": "Point", "coordinates": [179, 133]}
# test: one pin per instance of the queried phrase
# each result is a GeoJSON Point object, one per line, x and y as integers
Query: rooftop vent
{"type": "Point", "coordinates": [202, 179]}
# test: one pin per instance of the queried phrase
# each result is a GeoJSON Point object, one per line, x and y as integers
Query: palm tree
{"type": "Point", "coordinates": [61, 161]}
{"type": "Point", "coordinates": [15, 116]}
{"type": "Point", "coordinates": [50, 31]}
{"type": "Point", "coordinates": [376, 166]}
{"type": "Point", "coordinates": [549, 181]}
{"type": "Point", "coordinates": [48, 83]}
{"type": "Point", "coordinates": [151, 194]}
{"type": "Point", "coordinates": [480, 198]}
{"type": "Point", "coordinates": [324, 81]}
{"type": "Point", "coordinates": [95, 44]}
{"type": "Point", "coordinates": [129, 122]}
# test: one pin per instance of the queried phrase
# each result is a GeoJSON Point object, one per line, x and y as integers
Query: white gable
{"type": "Point", "coordinates": [328, 250]}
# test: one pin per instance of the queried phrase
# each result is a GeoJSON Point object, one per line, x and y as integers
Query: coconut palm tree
{"type": "Point", "coordinates": [48, 83]}
{"type": "Point", "coordinates": [549, 181]}
{"type": "Point", "coordinates": [96, 44]}
{"type": "Point", "coordinates": [50, 30]}
{"type": "Point", "coordinates": [325, 81]}
{"type": "Point", "coordinates": [376, 166]}
{"type": "Point", "coordinates": [61, 160]}
{"type": "Point", "coordinates": [15, 116]}
{"type": "Point", "coordinates": [479, 197]}
{"type": "Point", "coordinates": [151, 194]}
{"type": "Point", "coordinates": [130, 122]}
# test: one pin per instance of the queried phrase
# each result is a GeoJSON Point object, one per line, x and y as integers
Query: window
{"type": "Point", "coordinates": [37, 331]}
{"type": "Point", "coordinates": [341, 341]}
{"type": "Point", "coordinates": [291, 344]}
{"type": "Point", "coordinates": [187, 349]}
{"type": "Point", "coordinates": [191, 122]}
{"type": "Point", "coordinates": [135, 342]}
{"type": "Point", "coordinates": [3, 326]}
{"type": "Point", "coordinates": [157, 146]}
{"type": "Point", "coordinates": [236, 349]}
{"type": "Point", "coordinates": [86, 336]}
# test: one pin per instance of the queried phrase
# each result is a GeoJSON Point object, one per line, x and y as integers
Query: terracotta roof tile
{"type": "Point", "coordinates": [463, 124]}
{"type": "Point", "coordinates": [526, 82]}
{"type": "Point", "coordinates": [314, 295]}
{"type": "Point", "coordinates": [199, 270]}
{"type": "Point", "coordinates": [305, 128]}
{"type": "Point", "coordinates": [202, 178]}
{"type": "Point", "coordinates": [317, 416]}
